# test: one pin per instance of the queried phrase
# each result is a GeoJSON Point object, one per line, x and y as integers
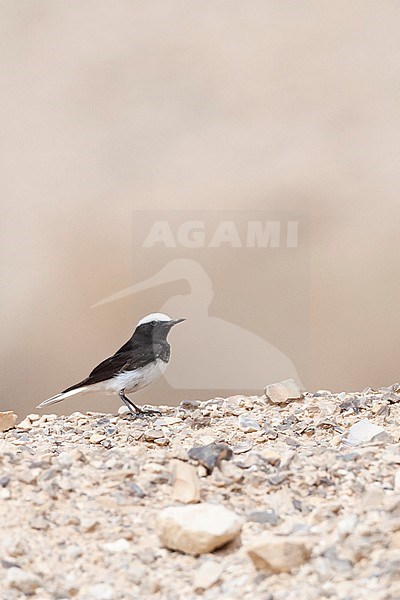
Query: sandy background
{"type": "Point", "coordinates": [109, 108]}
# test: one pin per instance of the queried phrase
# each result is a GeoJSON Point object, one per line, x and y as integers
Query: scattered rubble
{"type": "Point", "coordinates": [278, 554]}
{"type": "Point", "coordinates": [7, 420]}
{"type": "Point", "coordinates": [24, 581]}
{"type": "Point", "coordinates": [197, 529]}
{"type": "Point", "coordinates": [283, 392]}
{"type": "Point", "coordinates": [263, 516]}
{"type": "Point", "coordinates": [208, 573]}
{"type": "Point", "coordinates": [366, 431]}
{"type": "Point", "coordinates": [186, 484]}
{"type": "Point", "coordinates": [248, 425]}
{"type": "Point", "coordinates": [100, 591]}
{"type": "Point", "coordinates": [91, 504]}
{"type": "Point", "coordinates": [211, 455]}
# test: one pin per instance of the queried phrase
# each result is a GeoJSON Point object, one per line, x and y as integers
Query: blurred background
{"type": "Point", "coordinates": [110, 108]}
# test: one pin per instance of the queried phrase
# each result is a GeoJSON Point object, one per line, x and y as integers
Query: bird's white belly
{"type": "Point", "coordinates": [134, 380]}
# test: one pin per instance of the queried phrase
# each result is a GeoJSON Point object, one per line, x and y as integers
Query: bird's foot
{"type": "Point", "coordinates": [135, 411]}
{"type": "Point", "coordinates": [149, 412]}
{"type": "Point", "coordinates": [143, 413]}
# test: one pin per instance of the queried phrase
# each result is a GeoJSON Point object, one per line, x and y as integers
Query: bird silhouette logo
{"type": "Point", "coordinates": [211, 352]}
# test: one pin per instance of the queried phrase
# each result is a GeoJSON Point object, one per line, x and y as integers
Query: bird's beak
{"type": "Point", "coordinates": [176, 321]}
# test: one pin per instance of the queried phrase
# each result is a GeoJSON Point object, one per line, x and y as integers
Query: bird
{"type": "Point", "coordinates": [139, 362]}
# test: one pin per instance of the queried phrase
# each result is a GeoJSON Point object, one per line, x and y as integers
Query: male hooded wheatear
{"type": "Point", "coordinates": [136, 364]}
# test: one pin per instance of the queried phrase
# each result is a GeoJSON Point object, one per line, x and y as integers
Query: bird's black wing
{"type": "Point", "coordinates": [135, 358]}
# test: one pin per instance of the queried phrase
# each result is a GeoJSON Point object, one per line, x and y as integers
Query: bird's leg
{"type": "Point", "coordinates": [135, 410]}
{"type": "Point", "coordinates": [127, 403]}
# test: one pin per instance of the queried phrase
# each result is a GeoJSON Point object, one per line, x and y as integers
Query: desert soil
{"type": "Point", "coordinates": [81, 498]}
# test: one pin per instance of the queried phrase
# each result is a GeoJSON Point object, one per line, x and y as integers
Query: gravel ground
{"type": "Point", "coordinates": [80, 496]}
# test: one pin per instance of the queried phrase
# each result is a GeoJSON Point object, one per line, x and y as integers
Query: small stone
{"type": "Point", "coordinates": [137, 572]}
{"type": "Point", "coordinates": [186, 484]}
{"type": "Point", "coordinates": [96, 438]}
{"type": "Point", "coordinates": [25, 425]}
{"type": "Point", "coordinates": [202, 471]}
{"type": "Point", "coordinates": [248, 425]}
{"type": "Point", "coordinates": [169, 421]}
{"type": "Point", "coordinates": [177, 451]}
{"type": "Point", "coordinates": [147, 556]}
{"type": "Point", "coordinates": [151, 586]}
{"type": "Point", "coordinates": [366, 431]}
{"type": "Point", "coordinates": [162, 441]}
{"type": "Point", "coordinates": [88, 524]}
{"type": "Point", "coordinates": [347, 524]}
{"type": "Point", "coordinates": [271, 457]}
{"type": "Point", "coordinates": [210, 456]}
{"type": "Point", "coordinates": [154, 467]}
{"type": "Point", "coordinates": [5, 494]}
{"type": "Point", "coordinates": [7, 420]}
{"type": "Point", "coordinates": [121, 545]}
{"type": "Point", "coordinates": [15, 546]}
{"type": "Point", "coordinates": [277, 478]}
{"type": "Point", "coordinates": [28, 475]}
{"type": "Point", "coordinates": [207, 439]}
{"type": "Point", "coordinates": [291, 442]}
{"type": "Point", "coordinates": [242, 447]}
{"type": "Point", "coordinates": [270, 433]}
{"type": "Point", "coordinates": [283, 392]}
{"type": "Point", "coordinates": [391, 457]}
{"type": "Point", "coordinates": [207, 574]}
{"type": "Point", "coordinates": [278, 554]}
{"type": "Point", "coordinates": [263, 516]}
{"type": "Point", "coordinates": [397, 481]}
{"type": "Point", "coordinates": [65, 518]}
{"type": "Point", "coordinates": [152, 434]}
{"type": "Point", "coordinates": [70, 586]}
{"type": "Point", "coordinates": [24, 581]}
{"type": "Point", "coordinates": [231, 472]}
{"type": "Point", "coordinates": [33, 417]}
{"type": "Point", "coordinates": [101, 591]}
{"type": "Point", "coordinates": [39, 522]}
{"type": "Point", "coordinates": [74, 551]}
{"type": "Point", "coordinates": [350, 456]}
{"type": "Point", "coordinates": [135, 489]}
{"type": "Point", "coordinates": [123, 410]}
{"type": "Point", "coordinates": [248, 460]}
{"type": "Point", "coordinates": [199, 422]}
{"type": "Point", "coordinates": [190, 404]}
{"type": "Point", "coordinates": [372, 498]}
{"type": "Point", "coordinates": [65, 459]}
{"type": "Point", "coordinates": [197, 528]}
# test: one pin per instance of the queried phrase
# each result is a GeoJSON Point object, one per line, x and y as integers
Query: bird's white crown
{"type": "Point", "coordinates": [154, 317]}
